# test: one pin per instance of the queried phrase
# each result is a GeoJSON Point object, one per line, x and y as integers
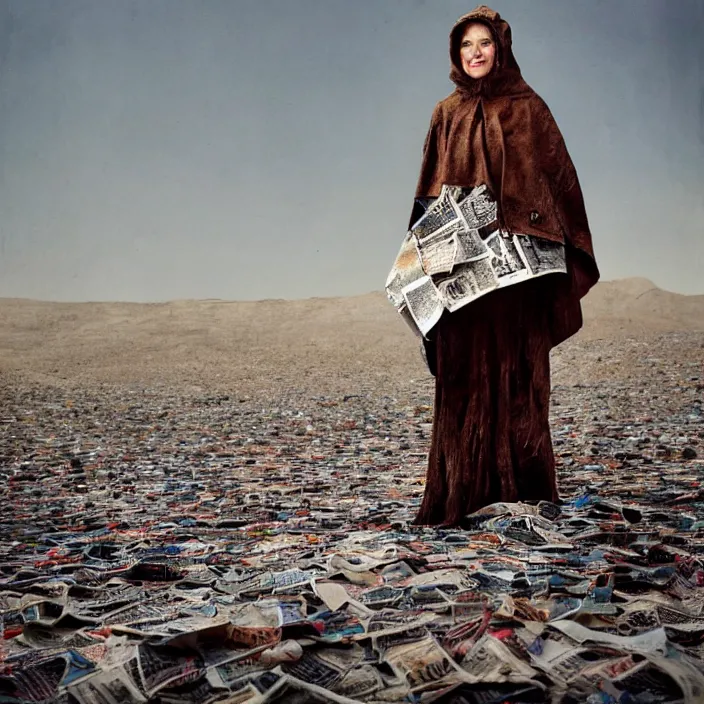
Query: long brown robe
{"type": "Point", "coordinates": [491, 436]}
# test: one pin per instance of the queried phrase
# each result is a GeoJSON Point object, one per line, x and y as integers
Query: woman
{"type": "Point", "coordinates": [491, 438]}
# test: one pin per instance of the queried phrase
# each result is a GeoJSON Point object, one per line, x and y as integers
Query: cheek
{"type": "Point", "coordinates": [490, 53]}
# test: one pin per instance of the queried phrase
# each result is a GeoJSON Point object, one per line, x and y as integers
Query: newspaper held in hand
{"type": "Point", "coordinates": [456, 253]}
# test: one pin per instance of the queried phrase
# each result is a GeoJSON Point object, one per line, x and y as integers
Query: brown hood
{"type": "Point", "coordinates": [505, 77]}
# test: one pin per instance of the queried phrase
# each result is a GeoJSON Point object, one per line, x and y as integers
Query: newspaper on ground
{"type": "Point", "coordinates": [186, 549]}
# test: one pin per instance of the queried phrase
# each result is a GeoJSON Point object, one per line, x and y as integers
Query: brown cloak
{"type": "Point", "coordinates": [491, 433]}
{"type": "Point", "coordinates": [498, 131]}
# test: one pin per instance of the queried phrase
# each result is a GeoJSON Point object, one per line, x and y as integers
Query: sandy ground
{"type": "Point", "coordinates": [318, 345]}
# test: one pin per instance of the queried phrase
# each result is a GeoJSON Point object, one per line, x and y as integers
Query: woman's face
{"type": "Point", "coordinates": [477, 50]}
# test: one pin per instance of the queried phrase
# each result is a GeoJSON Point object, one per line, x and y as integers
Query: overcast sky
{"type": "Point", "coordinates": [248, 149]}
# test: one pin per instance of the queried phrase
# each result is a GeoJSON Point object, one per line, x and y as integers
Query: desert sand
{"type": "Point", "coordinates": [318, 345]}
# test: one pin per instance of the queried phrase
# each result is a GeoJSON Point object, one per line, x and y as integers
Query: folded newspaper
{"type": "Point", "coordinates": [456, 253]}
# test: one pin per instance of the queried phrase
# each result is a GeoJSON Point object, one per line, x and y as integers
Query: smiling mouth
{"type": "Point", "coordinates": [475, 65]}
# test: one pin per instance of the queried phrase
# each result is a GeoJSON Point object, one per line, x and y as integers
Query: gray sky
{"type": "Point", "coordinates": [247, 149]}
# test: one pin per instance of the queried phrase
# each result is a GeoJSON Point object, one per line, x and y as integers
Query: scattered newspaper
{"type": "Point", "coordinates": [456, 253]}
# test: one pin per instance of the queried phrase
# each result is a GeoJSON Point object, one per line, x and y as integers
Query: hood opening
{"type": "Point", "coordinates": [456, 40]}
{"type": "Point", "coordinates": [505, 76]}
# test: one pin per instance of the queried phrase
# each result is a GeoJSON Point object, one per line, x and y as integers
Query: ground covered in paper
{"type": "Point", "coordinates": [243, 542]}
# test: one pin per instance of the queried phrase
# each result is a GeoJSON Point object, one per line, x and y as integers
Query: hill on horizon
{"type": "Point", "coordinates": [212, 342]}
{"type": "Point", "coordinates": [631, 286]}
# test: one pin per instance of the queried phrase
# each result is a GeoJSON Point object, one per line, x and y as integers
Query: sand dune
{"type": "Point", "coordinates": [240, 344]}
{"type": "Point", "coordinates": [637, 305]}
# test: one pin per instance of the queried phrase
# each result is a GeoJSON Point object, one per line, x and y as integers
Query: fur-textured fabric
{"type": "Point", "coordinates": [498, 131]}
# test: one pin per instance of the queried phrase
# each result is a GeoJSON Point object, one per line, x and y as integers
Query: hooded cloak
{"type": "Point", "coordinates": [498, 131]}
{"type": "Point", "coordinates": [491, 432]}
